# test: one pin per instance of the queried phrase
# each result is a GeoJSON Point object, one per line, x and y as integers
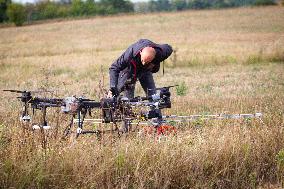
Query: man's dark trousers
{"type": "Point", "coordinates": [147, 82]}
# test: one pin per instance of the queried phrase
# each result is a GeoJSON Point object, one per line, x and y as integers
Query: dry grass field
{"type": "Point", "coordinates": [228, 60]}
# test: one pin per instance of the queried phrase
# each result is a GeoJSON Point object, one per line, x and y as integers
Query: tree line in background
{"type": "Point", "coordinates": [46, 9]}
{"type": "Point", "coordinates": [177, 5]}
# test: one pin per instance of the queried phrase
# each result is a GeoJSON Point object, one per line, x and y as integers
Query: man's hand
{"type": "Point", "coordinates": [113, 92]}
{"type": "Point", "coordinates": [109, 94]}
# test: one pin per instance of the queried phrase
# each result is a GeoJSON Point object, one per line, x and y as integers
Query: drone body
{"type": "Point", "coordinates": [114, 110]}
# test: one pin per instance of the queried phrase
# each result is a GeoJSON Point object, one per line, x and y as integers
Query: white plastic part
{"type": "Point", "coordinates": [46, 127]}
{"type": "Point", "coordinates": [156, 97]}
{"type": "Point", "coordinates": [258, 114]}
{"type": "Point", "coordinates": [124, 99]}
{"type": "Point", "coordinates": [156, 104]}
{"type": "Point", "coordinates": [25, 118]}
{"type": "Point", "coordinates": [79, 130]}
{"type": "Point", "coordinates": [37, 127]}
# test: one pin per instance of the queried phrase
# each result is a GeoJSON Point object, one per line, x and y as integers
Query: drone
{"type": "Point", "coordinates": [114, 110]}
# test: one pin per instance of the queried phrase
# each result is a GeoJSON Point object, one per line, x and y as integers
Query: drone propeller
{"type": "Point", "coordinates": [15, 91]}
{"type": "Point", "coordinates": [38, 91]}
{"type": "Point", "coordinates": [167, 87]}
{"type": "Point", "coordinates": [161, 88]}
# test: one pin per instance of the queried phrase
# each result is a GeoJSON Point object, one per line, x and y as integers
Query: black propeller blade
{"type": "Point", "coordinates": [15, 91]}
{"type": "Point", "coordinates": [18, 91]}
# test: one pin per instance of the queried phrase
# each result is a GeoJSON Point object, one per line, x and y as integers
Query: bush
{"type": "Point", "coordinates": [264, 2]}
{"type": "Point", "coordinates": [50, 11]}
{"type": "Point", "coordinates": [90, 7]}
{"type": "Point", "coordinates": [63, 11]}
{"type": "Point", "coordinates": [181, 89]}
{"type": "Point", "coordinates": [77, 8]}
{"type": "Point", "coordinates": [16, 13]}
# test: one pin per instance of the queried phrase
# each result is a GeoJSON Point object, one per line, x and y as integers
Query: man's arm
{"type": "Point", "coordinates": [166, 51]}
{"type": "Point", "coordinates": [118, 65]}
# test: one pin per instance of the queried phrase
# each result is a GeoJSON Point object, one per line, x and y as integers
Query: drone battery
{"type": "Point", "coordinates": [107, 104]}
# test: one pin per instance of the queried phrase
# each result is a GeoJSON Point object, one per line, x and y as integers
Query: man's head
{"type": "Point", "coordinates": [147, 55]}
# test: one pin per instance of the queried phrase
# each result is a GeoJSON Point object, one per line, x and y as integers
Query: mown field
{"type": "Point", "coordinates": [228, 61]}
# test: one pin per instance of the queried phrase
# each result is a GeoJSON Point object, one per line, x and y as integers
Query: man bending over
{"type": "Point", "coordinates": [138, 62]}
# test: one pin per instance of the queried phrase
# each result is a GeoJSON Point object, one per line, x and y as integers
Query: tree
{"type": "Point", "coordinates": [264, 2]}
{"type": "Point", "coordinates": [199, 4]}
{"type": "Point", "coordinates": [16, 13]}
{"type": "Point", "coordinates": [164, 5]}
{"type": "Point", "coordinates": [77, 8]}
{"type": "Point", "coordinates": [50, 11]}
{"type": "Point", "coordinates": [179, 4]}
{"type": "Point", "coordinates": [141, 7]}
{"type": "Point", "coordinates": [3, 8]}
{"type": "Point", "coordinates": [116, 6]}
{"type": "Point", "coordinates": [91, 7]}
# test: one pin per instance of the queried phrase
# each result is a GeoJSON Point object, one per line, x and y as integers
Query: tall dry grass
{"type": "Point", "coordinates": [228, 60]}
